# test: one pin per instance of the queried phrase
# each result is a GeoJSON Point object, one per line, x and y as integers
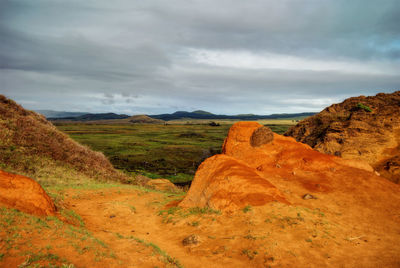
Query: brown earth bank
{"type": "Point", "coordinates": [364, 128]}
{"type": "Point", "coordinates": [24, 194]}
{"type": "Point", "coordinates": [31, 145]}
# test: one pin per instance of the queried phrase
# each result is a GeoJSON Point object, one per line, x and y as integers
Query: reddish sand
{"type": "Point", "coordinates": [276, 234]}
{"type": "Point", "coordinates": [24, 194]}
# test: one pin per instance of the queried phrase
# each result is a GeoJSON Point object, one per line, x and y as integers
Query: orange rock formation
{"type": "Point", "coordinates": [279, 170]}
{"type": "Point", "coordinates": [24, 194]}
{"type": "Point", "coordinates": [362, 128]}
{"type": "Point", "coordinates": [223, 182]}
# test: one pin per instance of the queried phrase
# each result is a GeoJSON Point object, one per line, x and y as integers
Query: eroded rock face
{"type": "Point", "coordinates": [362, 128]}
{"type": "Point", "coordinates": [225, 183]}
{"type": "Point", "coordinates": [24, 194]}
{"type": "Point", "coordinates": [282, 170]}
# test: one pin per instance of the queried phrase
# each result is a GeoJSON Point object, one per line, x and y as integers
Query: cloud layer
{"type": "Point", "coordinates": [222, 56]}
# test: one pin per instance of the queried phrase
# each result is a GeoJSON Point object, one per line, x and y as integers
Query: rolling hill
{"type": "Point", "coordinates": [92, 117]}
{"type": "Point", "coordinates": [58, 114]}
{"type": "Point", "coordinates": [206, 115]}
{"type": "Point", "coordinates": [32, 146]}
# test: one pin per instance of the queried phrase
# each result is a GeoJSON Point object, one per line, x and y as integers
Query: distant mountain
{"type": "Point", "coordinates": [58, 114]}
{"type": "Point", "coordinates": [201, 112]}
{"type": "Point", "coordinates": [206, 115]}
{"type": "Point", "coordinates": [143, 119]}
{"type": "Point", "coordinates": [92, 117]}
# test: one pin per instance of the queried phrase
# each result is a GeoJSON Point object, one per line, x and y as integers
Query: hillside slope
{"type": "Point", "coordinates": [199, 114]}
{"type": "Point", "coordinates": [92, 117]}
{"type": "Point", "coordinates": [32, 146]}
{"type": "Point", "coordinates": [143, 119]}
{"type": "Point", "coordinates": [364, 128]}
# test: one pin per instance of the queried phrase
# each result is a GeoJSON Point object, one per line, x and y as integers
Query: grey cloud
{"type": "Point", "coordinates": [131, 56]}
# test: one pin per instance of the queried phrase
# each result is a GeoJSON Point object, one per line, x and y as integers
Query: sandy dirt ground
{"type": "Point", "coordinates": [132, 223]}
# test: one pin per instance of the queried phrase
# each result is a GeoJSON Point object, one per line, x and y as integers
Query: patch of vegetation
{"type": "Point", "coordinates": [194, 223]}
{"type": "Point", "coordinates": [250, 237]}
{"type": "Point", "coordinates": [166, 258]}
{"type": "Point", "coordinates": [246, 209]}
{"type": "Point", "coordinates": [30, 236]}
{"type": "Point", "coordinates": [251, 254]}
{"type": "Point", "coordinates": [171, 213]}
{"type": "Point", "coordinates": [73, 217]}
{"type": "Point", "coordinates": [363, 107]}
{"type": "Point", "coordinates": [204, 210]}
{"type": "Point", "coordinates": [172, 151]}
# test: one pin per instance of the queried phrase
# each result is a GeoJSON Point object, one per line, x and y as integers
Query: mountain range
{"type": "Point", "coordinates": [199, 114]}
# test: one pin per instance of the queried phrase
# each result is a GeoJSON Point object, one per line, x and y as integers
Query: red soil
{"type": "Point", "coordinates": [24, 194]}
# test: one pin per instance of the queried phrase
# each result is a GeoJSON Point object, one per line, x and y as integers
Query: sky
{"type": "Point", "coordinates": [225, 56]}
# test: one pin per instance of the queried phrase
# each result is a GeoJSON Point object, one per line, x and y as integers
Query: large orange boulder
{"type": "Point", "coordinates": [281, 152]}
{"type": "Point", "coordinates": [257, 166]}
{"type": "Point", "coordinates": [24, 194]}
{"type": "Point", "coordinates": [225, 183]}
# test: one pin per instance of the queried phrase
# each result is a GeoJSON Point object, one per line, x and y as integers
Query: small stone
{"type": "Point", "coordinates": [260, 136]}
{"type": "Point", "coordinates": [278, 166]}
{"type": "Point", "coordinates": [190, 240]}
{"type": "Point", "coordinates": [112, 216]}
{"type": "Point", "coordinates": [308, 196]}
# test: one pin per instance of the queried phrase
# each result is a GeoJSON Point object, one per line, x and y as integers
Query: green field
{"type": "Point", "coordinates": [171, 151]}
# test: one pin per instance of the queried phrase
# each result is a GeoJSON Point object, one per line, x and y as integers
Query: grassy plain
{"type": "Point", "coordinates": [171, 151]}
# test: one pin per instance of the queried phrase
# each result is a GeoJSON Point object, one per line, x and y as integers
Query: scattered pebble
{"type": "Point", "coordinates": [308, 196]}
{"type": "Point", "coordinates": [190, 240]}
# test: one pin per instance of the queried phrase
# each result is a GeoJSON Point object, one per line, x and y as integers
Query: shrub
{"type": "Point", "coordinates": [363, 107]}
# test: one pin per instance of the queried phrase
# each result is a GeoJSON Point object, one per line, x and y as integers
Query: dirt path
{"type": "Point", "coordinates": [114, 216]}
{"type": "Point", "coordinates": [130, 227]}
{"type": "Point", "coordinates": [276, 235]}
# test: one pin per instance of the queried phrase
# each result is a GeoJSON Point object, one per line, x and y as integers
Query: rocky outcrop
{"type": "Point", "coordinates": [362, 128]}
{"type": "Point", "coordinates": [223, 182]}
{"type": "Point", "coordinates": [280, 169]}
{"type": "Point", "coordinates": [24, 194]}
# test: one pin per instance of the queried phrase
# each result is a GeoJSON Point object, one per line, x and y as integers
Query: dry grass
{"type": "Point", "coordinates": [31, 145]}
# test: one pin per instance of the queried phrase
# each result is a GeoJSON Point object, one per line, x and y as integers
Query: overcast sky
{"type": "Point", "coordinates": [224, 56]}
